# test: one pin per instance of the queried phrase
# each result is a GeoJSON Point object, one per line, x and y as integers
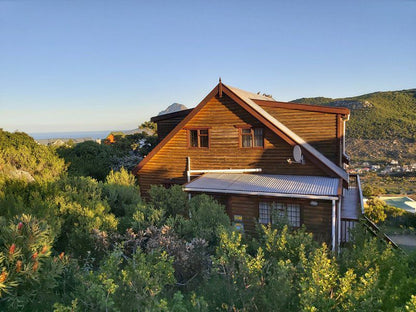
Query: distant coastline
{"type": "Point", "coordinates": [70, 135]}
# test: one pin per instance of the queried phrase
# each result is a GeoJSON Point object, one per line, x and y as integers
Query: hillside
{"type": "Point", "coordinates": [380, 115]}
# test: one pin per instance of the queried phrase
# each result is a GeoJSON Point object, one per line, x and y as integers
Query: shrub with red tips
{"type": "Point", "coordinates": [12, 249]}
{"type": "Point", "coordinates": [3, 276]}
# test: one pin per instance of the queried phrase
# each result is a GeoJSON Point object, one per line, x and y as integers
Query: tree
{"type": "Point", "coordinates": [374, 209]}
{"type": "Point", "coordinates": [149, 127]}
{"type": "Point", "coordinates": [88, 159]}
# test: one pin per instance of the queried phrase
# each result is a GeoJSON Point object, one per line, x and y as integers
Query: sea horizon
{"type": "Point", "coordinates": [102, 134]}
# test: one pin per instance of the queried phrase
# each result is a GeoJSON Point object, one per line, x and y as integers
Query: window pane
{"type": "Point", "coordinates": [246, 131]}
{"type": "Point", "coordinates": [278, 212]}
{"type": "Point", "coordinates": [203, 140]}
{"type": "Point", "coordinates": [203, 132]}
{"type": "Point", "coordinates": [293, 214]}
{"type": "Point", "coordinates": [246, 141]}
{"type": "Point", "coordinates": [193, 138]}
{"type": "Point", "coordinates": [258, 137]}
{"type": "Point", "coordinates": [264, 213]}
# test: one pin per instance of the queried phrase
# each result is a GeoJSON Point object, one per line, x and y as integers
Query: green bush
{"type": "Point", "coordinates": [30, 273]}
{"type": "Point", "coordinates": [21, 157]}
{"type": "Point", "coordinates": [88, 159]}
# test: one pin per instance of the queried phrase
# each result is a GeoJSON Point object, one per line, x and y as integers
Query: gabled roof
{"type": "Point", "coordinates": [295, 186]}
{"type": "Point", "coordinates": [246, 100]}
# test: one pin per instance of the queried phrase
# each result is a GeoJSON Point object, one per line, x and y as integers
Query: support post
{"type": "Point", "coordinates": [333, 224]}
{"type": "Point", "coordinates": [339, 224]}
{"type": "Point", "coordinates": [188, 171]}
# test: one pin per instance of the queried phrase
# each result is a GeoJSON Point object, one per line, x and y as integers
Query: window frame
{"type": "Point", "coordinates": [284, 211]}
{"type": "Point", "coordinates": [251, 134]}
{"type": "Point", "coordinates": [198, 130]}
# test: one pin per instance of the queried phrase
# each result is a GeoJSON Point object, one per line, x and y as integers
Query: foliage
{"type": "Point", "coordinates": [29, 271]}
{"type": "Point", "coordinates": [207, 218]}
{"type": "Point", "coordinates": [96, 160]}
{"type": "Point", "coordinates": [82, 210]}
{"type": "Point", "coordinates": [371, 190]}
{"type": "Point", "coordinates": [125, 283]}
{"type": "Point", "coordinates": [149, 126]}
{"type": "Point", "coordinates": [88, 158]}
{"type": "Point", "coordinates": [172, 201]}
{"type": "Point", "coordinates": [123, 196]}
{"type": "Point", "coordinates": [77, 244]}
{"type": "Point", "coordinates": [374, 209]}
{"type": "Point", "coordinates": [21, 157]}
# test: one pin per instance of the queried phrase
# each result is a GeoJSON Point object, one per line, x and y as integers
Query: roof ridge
{"type": "Point", "coordinates": [251, 95]}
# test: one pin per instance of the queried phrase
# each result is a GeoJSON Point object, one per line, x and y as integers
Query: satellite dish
{"type": "Point", "coordinates": [297, 154]}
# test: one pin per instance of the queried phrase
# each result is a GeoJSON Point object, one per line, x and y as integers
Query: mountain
{"type": "Point", "coordinates": [380, 115]}
{"type": "Point", "coordinates": [173, 108]}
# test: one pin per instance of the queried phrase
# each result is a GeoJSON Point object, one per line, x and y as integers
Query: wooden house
{"type": "Point", "coordinates": [262, 159]}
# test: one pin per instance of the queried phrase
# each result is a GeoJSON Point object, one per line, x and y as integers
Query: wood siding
{"type": "Point", "coordinates": [167, 125]}
{"type": "Point", "coordinates": [222, 115]}
{"type": "Point", "coordinates": [317, 128]}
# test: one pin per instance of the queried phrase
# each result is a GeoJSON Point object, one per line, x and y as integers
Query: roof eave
{"type": "Point", "coordinates": [265, 194]}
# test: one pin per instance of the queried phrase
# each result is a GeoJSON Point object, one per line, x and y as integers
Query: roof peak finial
{"type": "Point", "coordinates": [220, 88]}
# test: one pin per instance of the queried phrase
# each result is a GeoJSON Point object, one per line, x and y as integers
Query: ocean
{"type": "Point", "coordinates": [71, 135]}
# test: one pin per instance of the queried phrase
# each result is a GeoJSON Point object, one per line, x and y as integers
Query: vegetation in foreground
{"type": "Point", "coordinates": [72, 243]}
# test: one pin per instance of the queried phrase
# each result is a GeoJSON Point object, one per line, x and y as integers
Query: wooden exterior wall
{"type": "Point", "coordinates": [221, 116]}
{"type": "Point", "coordinates": [166, 123]}
{"type": "Point", "coordinates": [317, 219]}
{"type": "Point", "coordinates": [317, 128]}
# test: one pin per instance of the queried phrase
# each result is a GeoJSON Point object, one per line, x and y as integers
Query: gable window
{"type": "Point", "coordinates": [272, 212]}
{"type": "Point", "coordinates": [198, 138]}
{"type": "Point", "coordinates": [251, 137]}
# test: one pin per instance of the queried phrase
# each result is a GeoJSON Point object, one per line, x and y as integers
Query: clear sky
{"type": "Point", "coordinates": [98, 65]}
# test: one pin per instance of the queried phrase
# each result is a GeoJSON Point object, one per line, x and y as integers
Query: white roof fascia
{"type": "Point", "coordinates": [245, 96]}
{"type": "Point", "coordinates": [194, 189]}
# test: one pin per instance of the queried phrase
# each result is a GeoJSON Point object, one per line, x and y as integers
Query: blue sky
{"type": "Point", "coordinates": [98, 65]}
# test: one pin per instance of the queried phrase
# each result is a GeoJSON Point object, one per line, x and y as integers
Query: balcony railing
{"type": "Point", "coordinates": [352, 208]}
{"type": "Point", "coordinates": [353, 212]}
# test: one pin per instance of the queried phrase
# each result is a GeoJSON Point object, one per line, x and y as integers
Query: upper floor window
{"type": "Point", "coordinates": [251, 137]}
{"type": "Point", "coordinates": [198, 138]}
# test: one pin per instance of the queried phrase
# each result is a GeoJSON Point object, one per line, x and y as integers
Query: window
{"type": "Point", "coordinates": [199, 138]}
{"type": "Point", "coordinates": [251, 137]}
{"type": "Point", "coordinates": [271, 212]}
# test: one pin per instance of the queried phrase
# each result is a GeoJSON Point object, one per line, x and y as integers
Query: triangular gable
{"type": "Point", "coordinates": [288, 135]}
{"type": "Point", "coordinates": [244, 99]}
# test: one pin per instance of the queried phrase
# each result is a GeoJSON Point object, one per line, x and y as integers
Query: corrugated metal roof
{"type": "Point", "coordinates": [265, 183]}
